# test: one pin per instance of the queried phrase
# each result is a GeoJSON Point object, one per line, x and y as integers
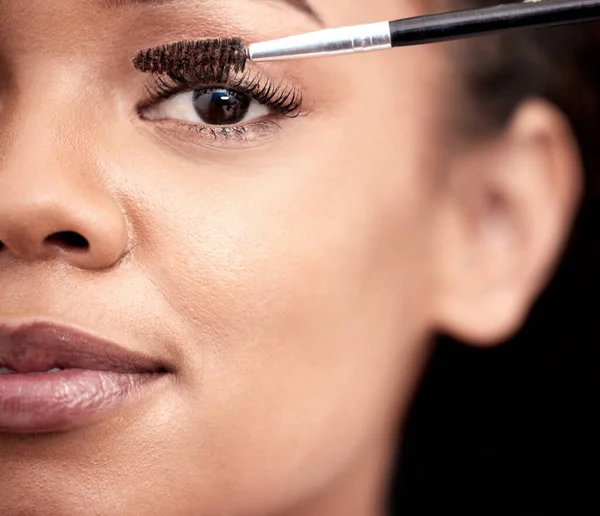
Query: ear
{"type": "Point", "coordinates": [509, 209]}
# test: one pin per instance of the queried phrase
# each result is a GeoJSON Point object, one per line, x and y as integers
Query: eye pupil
{"type": "Point", "coordinates": [221, 106]}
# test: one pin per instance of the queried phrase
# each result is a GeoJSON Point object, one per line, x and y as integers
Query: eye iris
{"type": "Point", "coordinates": [221, 106]}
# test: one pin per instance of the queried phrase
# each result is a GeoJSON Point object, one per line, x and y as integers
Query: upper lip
{"type": "Point", "coordinates": [42, 346]}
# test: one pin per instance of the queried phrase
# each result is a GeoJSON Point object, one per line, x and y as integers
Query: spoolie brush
{"type": "Point", "coordinates": [231, 54]}
{"type": "Point", "coordinates": [212, 55]}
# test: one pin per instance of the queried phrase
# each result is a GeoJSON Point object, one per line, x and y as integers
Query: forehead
{"type": "Point", "coordinates": [315, 8]}
{"type": "Point", "coordinates": [91, 26]}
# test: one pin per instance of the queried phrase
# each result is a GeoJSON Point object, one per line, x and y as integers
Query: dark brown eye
{"type": "Point", "coordinates": [220, 106]}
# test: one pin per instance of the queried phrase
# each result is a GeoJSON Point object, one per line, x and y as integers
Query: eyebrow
{"type": "Point", "coordinates": [301, 5]}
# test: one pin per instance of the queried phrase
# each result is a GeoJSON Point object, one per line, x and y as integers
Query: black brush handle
{"type": "Point", "coordinates": [477, 22]}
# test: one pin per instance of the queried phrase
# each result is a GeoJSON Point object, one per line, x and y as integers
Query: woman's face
{"type": "Point", "coordinates": [285, 270]}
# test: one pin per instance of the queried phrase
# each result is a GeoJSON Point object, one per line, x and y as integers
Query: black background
{"type": "Point", "coordinates": [513, 430]}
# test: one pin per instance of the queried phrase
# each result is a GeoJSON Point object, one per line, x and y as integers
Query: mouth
{"type": "Point", "coordinates": [56, 378]}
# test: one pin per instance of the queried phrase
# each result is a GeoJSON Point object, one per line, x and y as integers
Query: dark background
{"type": "Point", "coordinates": [513, 430]}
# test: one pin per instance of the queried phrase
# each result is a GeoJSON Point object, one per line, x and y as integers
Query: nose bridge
{"type": "Point", "coordinates": [52, 202]}
{"type": "Point", "coordinates": [46, 115]}
{"type": "Point", "coordinates": [38, 144]}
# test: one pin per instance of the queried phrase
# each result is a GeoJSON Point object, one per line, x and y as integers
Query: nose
{"type": "Point", "coordinates": [46, 216]}
{"type": "Point", "coordinates": [56, 199]}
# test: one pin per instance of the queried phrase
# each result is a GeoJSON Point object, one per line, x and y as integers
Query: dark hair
{"type": "Point", "coordinates": [512, 430]}
{"type": "Point", "coordinates": [559, 64]}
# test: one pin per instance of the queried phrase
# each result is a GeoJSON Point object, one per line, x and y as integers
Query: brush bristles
{"type": "Point", "coordinates": [177, 59]}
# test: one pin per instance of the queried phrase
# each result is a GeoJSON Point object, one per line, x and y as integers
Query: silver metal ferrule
{"type": "Point", "coordinates": [344, 40]}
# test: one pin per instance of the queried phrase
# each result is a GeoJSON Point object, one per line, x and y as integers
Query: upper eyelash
{"type": "Point", "coordinates": [283, 98]}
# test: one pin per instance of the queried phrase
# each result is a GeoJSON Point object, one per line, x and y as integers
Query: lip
{"type": "Point", "coordinates": [94, 376]}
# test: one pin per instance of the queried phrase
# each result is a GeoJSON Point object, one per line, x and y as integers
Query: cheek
{"type": "Point", "coordinates": [303, 299]}
{"type": "Point", "coordinates": [302, 290]}
{"type": "Point", "coordinates": [300, 283]}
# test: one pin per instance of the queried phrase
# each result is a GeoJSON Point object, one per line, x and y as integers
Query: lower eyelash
{"type": "Point", "coordinates": [221, 137]}
{"type": "Point", "coordinates": [232, 132]}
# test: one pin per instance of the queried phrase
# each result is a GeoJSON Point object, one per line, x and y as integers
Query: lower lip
{"type": "Point", "coordinates": [64, 400]}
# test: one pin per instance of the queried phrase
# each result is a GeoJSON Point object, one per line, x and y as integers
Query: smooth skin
{"type": "Point", "coordinates": [296, 283]}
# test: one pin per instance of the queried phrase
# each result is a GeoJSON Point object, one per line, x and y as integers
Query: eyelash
{"type": "Point", "coordinates": [284, 99]}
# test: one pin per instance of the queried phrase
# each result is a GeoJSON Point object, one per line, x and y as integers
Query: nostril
{"type": "Point", "coordinates": [68, 239]}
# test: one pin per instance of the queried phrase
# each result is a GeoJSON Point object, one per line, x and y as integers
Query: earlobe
{"type": "Point", "coordinates": [509, 210]}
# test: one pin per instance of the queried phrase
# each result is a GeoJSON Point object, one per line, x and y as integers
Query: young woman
{"type": "Point", "coordinates": [218, 298]}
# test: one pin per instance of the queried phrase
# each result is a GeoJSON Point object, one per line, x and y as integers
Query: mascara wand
{"type": "Point", "coordinates": [206, 57]}
{"type": "Point", "coordinates": [426, 29]}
